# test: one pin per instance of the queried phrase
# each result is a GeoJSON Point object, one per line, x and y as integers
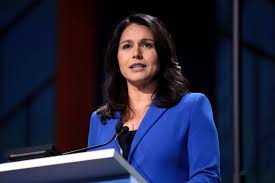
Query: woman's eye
{"type": "Point", "coordinates": [126, 46]}
{"type": "Point", "coordinates": [147, 45]}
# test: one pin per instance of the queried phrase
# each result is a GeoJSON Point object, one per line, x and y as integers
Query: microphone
{"type": "Point", "coordinates": [120, 129]}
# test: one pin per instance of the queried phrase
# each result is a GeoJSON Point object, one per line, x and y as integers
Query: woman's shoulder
{"type": "Point", "coordinates": [95, 118]}
{"type": "Point", "coordinates": [95, 115]}
{"type": "Point", "coordinates": [102, 115]}
{"type": "Point", "coordinates": [193, 98]}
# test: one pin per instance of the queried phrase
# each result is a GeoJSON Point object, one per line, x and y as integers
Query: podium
{"type": "Point", "coordinates": [87, 167]}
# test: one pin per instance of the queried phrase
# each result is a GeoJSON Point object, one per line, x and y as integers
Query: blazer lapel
{"type": "Point", "coordinates": [151, 117]}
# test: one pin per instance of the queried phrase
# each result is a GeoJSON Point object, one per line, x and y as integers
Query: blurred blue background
{"type": "Point", "coordinates": [27, 68]}
{"type": "Point", "coordinates": [51, 70]}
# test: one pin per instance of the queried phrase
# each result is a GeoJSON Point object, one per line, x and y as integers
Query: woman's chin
{"type": "Point", "coordinates": [142, 83]}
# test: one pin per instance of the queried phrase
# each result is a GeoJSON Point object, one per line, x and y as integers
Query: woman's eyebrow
{"type": "Point", "coordinates": [146, 39]}
{"type": "Point", "coordinates": [141, 41]}
{"type": "Point", "coordinates": [126, 41]}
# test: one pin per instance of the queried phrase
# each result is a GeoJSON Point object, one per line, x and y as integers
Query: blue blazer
{"type": "Point", "coordinates": [177, 144]}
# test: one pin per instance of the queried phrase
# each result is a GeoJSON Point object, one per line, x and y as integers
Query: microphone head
{"type": "Point", "coordinates": [120, 129]}
{"type": "Point", "coordinates": [124, 129]}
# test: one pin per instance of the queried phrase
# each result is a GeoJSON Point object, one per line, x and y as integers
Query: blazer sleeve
{"type": "Point", "coordinates": [203, 144]}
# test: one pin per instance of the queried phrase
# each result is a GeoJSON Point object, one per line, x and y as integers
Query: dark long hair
{"type": "Point", "coordinates": [171, 85]}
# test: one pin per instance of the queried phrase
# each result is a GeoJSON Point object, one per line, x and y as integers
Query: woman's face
{"type": "Point", "coordinates": [137, 56]}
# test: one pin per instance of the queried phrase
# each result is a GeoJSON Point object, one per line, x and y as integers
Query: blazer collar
{"type": "Point", "coordinates": [150, 118]}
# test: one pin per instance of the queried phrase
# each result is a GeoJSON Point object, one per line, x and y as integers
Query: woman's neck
{"type": "Point", "coordinates": [141, 96]}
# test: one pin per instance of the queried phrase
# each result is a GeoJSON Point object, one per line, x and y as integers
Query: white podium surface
{"type": "Point", "coordinates": [94, 166]}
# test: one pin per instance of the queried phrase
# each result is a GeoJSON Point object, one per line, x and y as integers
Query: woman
{"type": "Point", "coordinates": [172, 136]}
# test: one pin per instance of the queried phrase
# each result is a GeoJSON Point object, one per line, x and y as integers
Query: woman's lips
{"type": "Point", "coordinates": [137, 67]}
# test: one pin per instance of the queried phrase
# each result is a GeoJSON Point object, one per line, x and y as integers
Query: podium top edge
{"type": "Point", "coordinates": [55, 160]}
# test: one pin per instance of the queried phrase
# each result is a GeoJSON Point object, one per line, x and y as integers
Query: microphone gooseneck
{"type": "Point", "coordinates": [120, 129]}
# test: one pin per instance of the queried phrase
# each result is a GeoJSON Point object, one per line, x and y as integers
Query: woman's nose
{"type": "Point", "coordinates": [137, 53]}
